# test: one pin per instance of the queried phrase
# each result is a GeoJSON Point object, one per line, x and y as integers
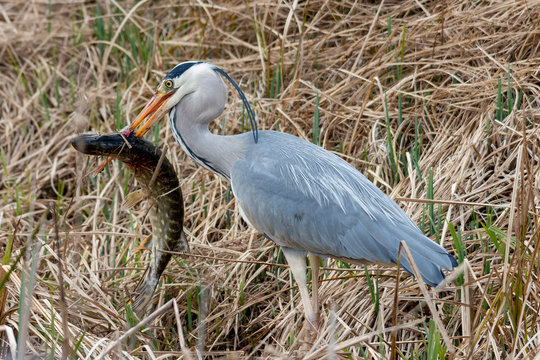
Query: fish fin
{"type": "Point", "coordinates": [145, 245]}
{"type": "Point", "coordinates": [133, 198]}
{"type": "Point", "coordinates": [144, 294]}
{"type": "Point", "coordinates": [102, 166]}
{"type": "Point", "coordinates": [183, 245]}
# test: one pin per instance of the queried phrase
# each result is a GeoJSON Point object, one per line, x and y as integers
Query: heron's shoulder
{"type": "Point", "coordinates": [292, 159]}
{"type": "Point", "coordinates": [274, 145]}
{"type": "Point", "coordinates": [298, 162]}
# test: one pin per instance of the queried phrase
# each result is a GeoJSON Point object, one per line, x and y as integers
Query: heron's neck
{"type": "Point", "coordinates": [214, 152]}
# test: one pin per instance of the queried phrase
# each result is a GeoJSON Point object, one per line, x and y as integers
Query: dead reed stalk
{"type": "Point", "coordinates": [436, 102]}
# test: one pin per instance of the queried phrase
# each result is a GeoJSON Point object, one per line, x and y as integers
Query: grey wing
{"type": "Point", "coordinates": [329, 208]}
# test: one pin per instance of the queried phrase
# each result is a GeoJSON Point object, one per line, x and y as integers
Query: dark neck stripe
{"type": "Point", "coordinates": [202, 161]}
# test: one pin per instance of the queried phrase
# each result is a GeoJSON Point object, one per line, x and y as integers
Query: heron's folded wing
{"type": "Point", "coordinates": [327, 207]}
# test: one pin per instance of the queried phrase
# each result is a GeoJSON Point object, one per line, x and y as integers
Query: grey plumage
{"type": "Point", "coordinates": [306, 198]}
{"type": "Point", "coordinates": [301, 196]}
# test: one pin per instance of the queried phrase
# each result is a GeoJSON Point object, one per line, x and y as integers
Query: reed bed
{"type": "Point", "coordinates": [436, 102]}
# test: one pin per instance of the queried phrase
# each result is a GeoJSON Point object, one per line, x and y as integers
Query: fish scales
{"type": "Point", "coordinates": [167, 212]}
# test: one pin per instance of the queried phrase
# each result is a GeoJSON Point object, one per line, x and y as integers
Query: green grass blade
{"type": "Point", "coordinates": [434, 341]}
{"type": "Point", "coordinates": [316, 128]}
{"type": "Point", "coordinates": [391, 155]}
{"type": "Point", "coordinates": [100, 28]}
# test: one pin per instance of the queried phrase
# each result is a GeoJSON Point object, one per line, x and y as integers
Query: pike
{"type": "Point", "coordinates": [167, 213]}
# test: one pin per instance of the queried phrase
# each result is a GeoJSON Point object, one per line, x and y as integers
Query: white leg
{"type": "Point", "coordinates": [314, 262]}
{"type": "Point", "coordinates": [297, 263]}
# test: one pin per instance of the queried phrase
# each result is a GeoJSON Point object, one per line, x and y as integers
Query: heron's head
{"type": "Point", "coordinates": [185, 79]}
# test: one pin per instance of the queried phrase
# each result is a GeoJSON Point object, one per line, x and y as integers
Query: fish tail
{"type": "Point", "coordinates": [144, 293]}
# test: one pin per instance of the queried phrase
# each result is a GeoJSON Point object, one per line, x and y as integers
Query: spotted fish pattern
{"type": "Point", "coordinates": [167, 212]}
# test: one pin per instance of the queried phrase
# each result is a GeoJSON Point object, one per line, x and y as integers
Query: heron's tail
{"type": "Point", "coordinates": [430, 258]}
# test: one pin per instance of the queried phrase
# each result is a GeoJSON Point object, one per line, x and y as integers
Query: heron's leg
{"type": "Point", "coordinates": [314, 262]}
{"type": "Point", "coordinates": [297, 263]}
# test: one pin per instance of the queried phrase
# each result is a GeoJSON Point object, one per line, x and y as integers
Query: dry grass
{"type": "Point", "coordinates": [431, 100]}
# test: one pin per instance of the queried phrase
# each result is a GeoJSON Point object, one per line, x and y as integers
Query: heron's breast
{"type": "Point", "coordinates": [243, 213]}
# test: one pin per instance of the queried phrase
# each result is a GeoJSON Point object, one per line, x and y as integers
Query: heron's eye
{"type": "Point", "coordinates": [168, 84]}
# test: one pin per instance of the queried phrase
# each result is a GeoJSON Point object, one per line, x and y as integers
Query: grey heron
{"type": "Point", "coordinates": [304, 198]}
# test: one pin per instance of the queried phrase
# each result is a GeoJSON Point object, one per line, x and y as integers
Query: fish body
{"type": "Point", "coordinates": [167, 213]}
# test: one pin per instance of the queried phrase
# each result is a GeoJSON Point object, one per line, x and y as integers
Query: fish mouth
{"type": "Point", "coordinates": [100, 145]}
{"type": "Point", "coordinates": [136, 153]}
{"type": "Point", "coordinates": [150, 114]}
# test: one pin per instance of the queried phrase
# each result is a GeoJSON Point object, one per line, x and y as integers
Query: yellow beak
{"type": "Point", "coordinates": [152, 112]}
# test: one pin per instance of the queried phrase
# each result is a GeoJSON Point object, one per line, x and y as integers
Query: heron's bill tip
{"type": "Point", "coordinates": [150, 114]}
